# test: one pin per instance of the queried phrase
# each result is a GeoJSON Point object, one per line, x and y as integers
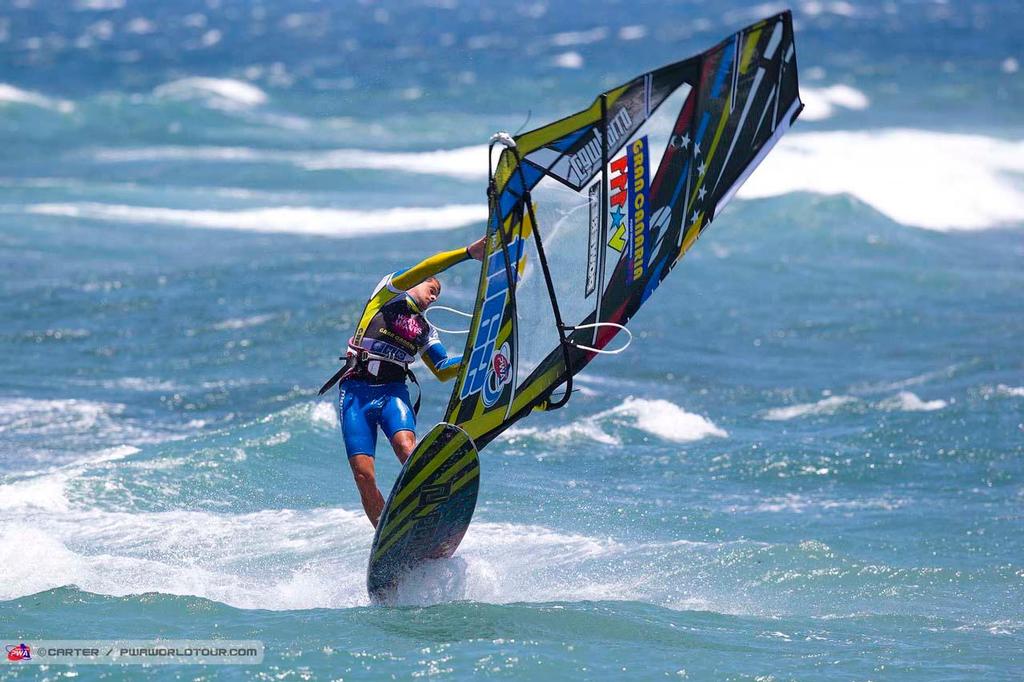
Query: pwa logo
{"type": "Point", "coordinates": [19, 652]}
{"type": "Point", "coordinates": [500, 374]}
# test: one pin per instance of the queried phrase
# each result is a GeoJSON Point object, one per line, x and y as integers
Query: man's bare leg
{"type": "Point", "coordinates": [403, 442]}
{"type": "Point", "coordinates": [366, 481]}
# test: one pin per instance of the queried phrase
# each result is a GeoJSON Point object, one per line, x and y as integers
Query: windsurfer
{"type": "Point", "coordinates": [373, 393]}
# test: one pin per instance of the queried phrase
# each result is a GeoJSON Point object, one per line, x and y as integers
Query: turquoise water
{"type": "Point", "coordinates": [807, 466]}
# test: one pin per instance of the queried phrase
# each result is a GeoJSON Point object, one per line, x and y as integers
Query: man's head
{"type": "Point", "coordinates": [426, 292]}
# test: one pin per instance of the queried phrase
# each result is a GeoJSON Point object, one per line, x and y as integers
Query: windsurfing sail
{"type": "Point", "coordinates": [590, 213]}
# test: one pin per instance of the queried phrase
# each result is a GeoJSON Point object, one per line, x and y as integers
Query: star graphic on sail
{"type": "Point", "coordinates": [701, 192]}
{"type": "Point", "coordinates": [617, 216]}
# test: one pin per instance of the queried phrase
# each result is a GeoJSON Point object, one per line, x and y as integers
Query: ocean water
{"type": "Point", "coordinates": [807, 466]}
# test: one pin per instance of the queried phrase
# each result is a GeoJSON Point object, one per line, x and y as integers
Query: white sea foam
{"type": "Point", "coordinates": [1014, 391]}
{"type": "Point", "coordinates": [919, 178]}
{"type": "Point", "coordinates": [224, 93]}
{"type": "Point", "coordinates": [568, 60]}
{"type": "Point", "coordinates": [657, 417]}
{"type": "Point", "coordinates": [667, 420]}
{"type": "Point", "coordinates": [140, 26]}
{"type": "Point", "coordinates": [326, 222]}
{"type": "Point", "coordinates": [584, 429]}
{"type": "Point", "coordinates": [27, 416]}
{"type": "Point", "coordinates": [632, 32]}
{"type": "Point", "coordinates": [68, 425]}
{"type": "Point", "coordinates": [825, 406]}
{"type": "Point", "coordinates": [905, 401]}
{"type": "Point", "coordinates": [821, 103]}
{"type": "Point", "coordinates": [316, 558]}
{"type": "Point", "coordinates": [277, 559]}
{"type": "Point", "coordinates": [884, 387]}
{"type": "Point", "coordinates": [99, 5]}
{"type": "Point", "coordinates": [45, 490]}
{"type": "Point", "coordinates": [571, 38]}
{"type": "Point", "coordinates": [464, 162]}
{"type": "Point", "coordinates": [841, 8]}
{"type": "Point", "coordinates": [324, 414]}
{"type": "Point", "coordinates": [800, 504]}
{"type": "Point", "coordinates": [243, 322]}
{"type": "Point", "coordinates": [12, 95]}
{"type": "Point", "coordinates": [939, 181]}
{"type": "Point", "coordinates": [172, 153]}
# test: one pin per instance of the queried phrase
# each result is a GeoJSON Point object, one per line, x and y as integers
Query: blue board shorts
{"type": "Point", "coordinates": [362, 407]}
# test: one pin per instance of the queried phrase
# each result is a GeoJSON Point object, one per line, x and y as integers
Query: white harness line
{"type": "Point", "coordinates": [597, 325]}
{"type": "Point", "coordinates": [451, 310]}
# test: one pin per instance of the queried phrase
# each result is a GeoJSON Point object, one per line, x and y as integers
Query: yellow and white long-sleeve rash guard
{"type": "Point", "coordinates": [393, 327]}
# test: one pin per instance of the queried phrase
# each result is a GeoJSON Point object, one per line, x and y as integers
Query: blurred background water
{"type": "Point", "coordinates": [808, 464]}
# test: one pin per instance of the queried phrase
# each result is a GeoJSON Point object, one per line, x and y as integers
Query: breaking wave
{"type": "Point", "coordinates": [903, 187]}
{"type": "Point", "coordinates": [324, 222]}
{"type": "Point", "coordinates": [659, 418]}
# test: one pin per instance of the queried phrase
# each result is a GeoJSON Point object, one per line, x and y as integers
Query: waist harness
{"type": "Point", "coordinates": [374, 369]}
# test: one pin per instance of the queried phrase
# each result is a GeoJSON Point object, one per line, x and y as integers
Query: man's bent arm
{"type": "Point", "coordinates": [437, 360]}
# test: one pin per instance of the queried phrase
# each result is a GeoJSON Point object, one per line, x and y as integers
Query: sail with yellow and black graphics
{"type": "Point", "coordinates": [587, 216]}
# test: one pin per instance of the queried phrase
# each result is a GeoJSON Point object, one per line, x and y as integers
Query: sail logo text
{"type": "Point", "coordinates": [636, 210]}
{"type": "Point", "coordinates": [585, 162]}
{"type": "Point", "coordinates": [500, 374]}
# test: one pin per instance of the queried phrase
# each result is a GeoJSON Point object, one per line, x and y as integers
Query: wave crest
{"type": "Point", "coordinates": [326, 222]}
{"type": "Point", "coordinates": [659, 418]}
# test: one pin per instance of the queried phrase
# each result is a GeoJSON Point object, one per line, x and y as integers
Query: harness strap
{"type": "Point", "coordinates": [419, 392]}
{"type": "Point", "coordinates": [352, 363]}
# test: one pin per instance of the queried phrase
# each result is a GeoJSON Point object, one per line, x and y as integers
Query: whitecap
{"type": "Point", "coordinates": [632, 32]}
{"type": "Point", "coordinates": [45, 490]}
{"type": "Point", "coordinates": [340, 223]}
{"type": "Point", "coordinates": [219, 92]}
{"type": "Point", "coordinates": [659, 418]}
{"type": "Point", "coordinates": [173, 153]}
{"type": "Point", "coordinates": [666, 420]}
{"type": "Point", "coordinates": [585, 429]}
{"type": "Point", "coordinates": [904, 187]}
{"type": "Point", "coordinates": [275, 559]}
{"type": "Point", "coordinates": [828, 405]}
{"type": "Point", "coordinates": [463, 162]}
{"type": "Point", "coordinates": [243, 322]}
{"type": "Point", "coordinates": [842, 8]}
{"type": "Point", "coordinates": [324, 413]}
{"type": "Point", "coordinates": [571, 38]}
{"type": "Point", "coordinates": [906, 401]}
{"type": "Point", "coordinates": [821, 103]}
{"type": "Point", "coordinates": [53, 417]}
{"type": "Point", "coordinates": [99, 5]}
{"type": "Point", "coordinates": [905, 174]}
{"type": "Point", "coordinates": [12, 95]}
{"type": "Point", "coordinates": [568, 60]}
